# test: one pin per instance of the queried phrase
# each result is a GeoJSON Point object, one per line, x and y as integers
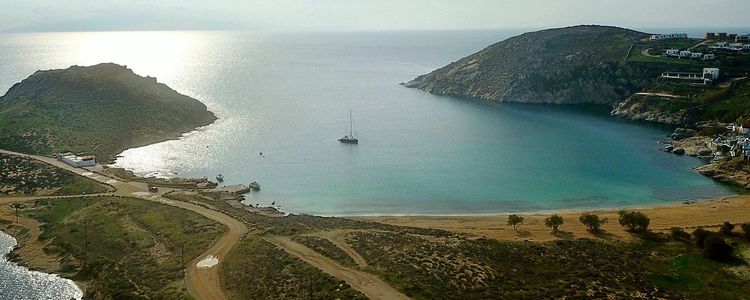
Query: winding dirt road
{"type": "Point", "coordinates": [370, 285]}
{"type": "Point", "coordinates": [201, 283]}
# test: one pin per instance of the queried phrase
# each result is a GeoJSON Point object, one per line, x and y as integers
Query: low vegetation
{"type": "Point", "coordinates": [515, 220]}
{"type": "Point", "coordinates": [22, 176]}
{"type": "Point", "coordinates": [259, 270]}
{"type": "Point", "coordinates": [123, 247]}
{"type": "Point", "coordinates": [554, 222]}
{"type": "Point", "coordinates": [634, 221]}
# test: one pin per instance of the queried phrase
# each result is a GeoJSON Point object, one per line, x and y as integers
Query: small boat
{"type": "Point", "coordinates": [255, 186]}
{"type": "Point", "coordinates": [220, 178]}
{"type": "Point", "coordinates": [351, 138]}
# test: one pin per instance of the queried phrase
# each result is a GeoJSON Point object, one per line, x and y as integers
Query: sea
{"type": "Point", "coordinates": [284, 99]}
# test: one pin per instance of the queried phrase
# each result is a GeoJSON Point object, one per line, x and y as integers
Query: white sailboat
{"type": "Point", "coordinates": [351, 138]}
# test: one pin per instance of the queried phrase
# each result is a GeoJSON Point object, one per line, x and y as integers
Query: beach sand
{"type": "Point", "coordinates": [708, 214]}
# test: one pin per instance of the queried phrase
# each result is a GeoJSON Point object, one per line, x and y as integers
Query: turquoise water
{"type": "Point", "coordinates": [288, 96]}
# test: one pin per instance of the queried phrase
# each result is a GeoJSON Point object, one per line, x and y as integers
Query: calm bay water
{"type": "Point", "coordinates": [19, 283]}
{"type": "Point", "coordinates": [288, 96]}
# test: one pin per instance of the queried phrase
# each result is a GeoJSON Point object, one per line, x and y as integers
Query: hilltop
{"type": "Point", "coordinates": [102, 109]}
{"type": "Point", "coordinates": [579, 64]}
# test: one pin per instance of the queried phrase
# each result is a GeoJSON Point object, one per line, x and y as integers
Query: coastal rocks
{"type": "Point", "coordinates": [679, 151]}
{"type": "Point", "coordinates": [642, 108]}
{"type": "Point", "coordinates": [698, 146]}
{"type": "Point", "coordinates": [734, 171]}
{"type": "Point", "coordinates": [681, 133]}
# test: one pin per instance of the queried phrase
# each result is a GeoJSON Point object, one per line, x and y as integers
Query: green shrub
{"type": "Point", "coordinates": [700, 235]}
{"type": "Point", "coordinates": [726, 228]}
{"type": "Point", "coordinates": [746, 230]}
{"type": "Point", "coordinates": [554, 221]}
{"type": "Point", "coordinates": [634, 220]}
{"type": "Point", "coordinates": [515, 220]}
{"type": "Point", "coordinates": [679, 234]}
{"type": "Point", "coordinates": [592, 221]}
{"type": "Point", "coordinates": [716, 247]}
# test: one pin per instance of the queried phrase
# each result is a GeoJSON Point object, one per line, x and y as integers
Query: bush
{"type": "Point", "coordinates": [679, 234]}
{"type": "Point", "coordinates": [700, 235]}
{"type": "Point", "coordinates": [746, 230]}
{"type": "Point", "coordinates": [592, 221]}
{"type": "Point", "coordinates": [554, 221]}
{"type": "Point", "coordinates": [515, 220]}
{"type": "Point", "coordinates": [634, 220]}
{"type": "Point", "coordinates": [716, 247]}
{"type": "Point", "coordinates": [726, 228]}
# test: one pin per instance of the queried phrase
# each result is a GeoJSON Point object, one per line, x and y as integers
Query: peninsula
{"type": "Point", "coordinates": [102, 110]}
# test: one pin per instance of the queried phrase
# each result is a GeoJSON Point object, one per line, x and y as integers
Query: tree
{"type": "Point", "coordinates": [592, 221]}
{"type": "Point", "coordinates": [716, 247]}
{"type": "Point", "coordinates": [634, 220]}
{"type": "Point", "coordinates": [515, 220]}
{"type": "Point", "coordinates": [746, 230]}
{"type": "Point", "coordinates": [726, 228]}
{"type": "Point", "coordinates": [554, 221]}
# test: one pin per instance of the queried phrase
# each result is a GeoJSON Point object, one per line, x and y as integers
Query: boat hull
{"type": "Point", "coordinates": [349, 141]}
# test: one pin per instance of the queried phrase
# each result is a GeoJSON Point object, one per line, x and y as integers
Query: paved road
{"type": "Point", "coordinates": [201, 283]}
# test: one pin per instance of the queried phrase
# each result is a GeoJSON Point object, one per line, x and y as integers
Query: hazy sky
{"type": "Point", "coordinates": [91, 15]}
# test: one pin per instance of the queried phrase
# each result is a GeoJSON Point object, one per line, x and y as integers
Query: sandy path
{"type": "Point", "coordinates": [338, 238]}
{"type": "Point", "coordinates": [710, 214]}
{"type": "Point", "coordinates": [201, 283]}
{"type": "Point", "coordinates": [370, 285]}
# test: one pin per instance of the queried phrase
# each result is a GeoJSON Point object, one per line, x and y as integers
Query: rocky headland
{"type": "Point", "coordinates": [102, 109]}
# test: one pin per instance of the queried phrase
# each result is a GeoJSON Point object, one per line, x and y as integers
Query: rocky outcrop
{"type": "Point", "coordinates": [650, 109]}
{"type": "Point", "coordinates": [580, 64]}
{"type": "Point", "coordinates": [734, 171]}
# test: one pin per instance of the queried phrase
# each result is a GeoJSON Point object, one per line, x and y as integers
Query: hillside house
{"type": "Point", "coordinates": [685, 54]}
{"type": "Point", "coordinates": [709, 35]}
{"type": "Point", "coordinates": [661, 37]}
{"type": "Point", "coordinates": [77, 161]}
{"type": "Point", "coordinates": [742, 39]}
{"type": "Point", "coordinates": [696, 55]}
{"type": "Point", "coordinates": [709, 57]}
{"type": "Point", "coordinates": [672, 52]}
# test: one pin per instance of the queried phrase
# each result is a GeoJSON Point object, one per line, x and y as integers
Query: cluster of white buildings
{"type": "Point", "coordinates": [730, 46]}
{"type": "Point", "coordinates": [77, 161]}
{"type": "Point", "coordinates": [689, 54]}
{"type": "Point", "coordinates": [659, 37]}
{"type": "Point", "coordinates": [737, 144]}
{"type": "Point", "coordinates": [708, 75]}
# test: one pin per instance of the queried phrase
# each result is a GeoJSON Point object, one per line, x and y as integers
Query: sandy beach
{"type": "Point", "coordinates": [710, 213]}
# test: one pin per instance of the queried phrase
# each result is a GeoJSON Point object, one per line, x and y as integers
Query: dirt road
{"type": "Point", "coordinates": [370, 285]}
{"type": "Point", "coordinates": [201, 283]}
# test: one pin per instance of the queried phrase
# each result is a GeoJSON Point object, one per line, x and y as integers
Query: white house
{"type": "Point", "coordinates": [696, 55]}
{"type": "Point", "coordinates": [710, 74]}
{"type": "Point", "coordinates": [685, 53]}
{"type": "Point", "coordinates": [659, 37]}
{"type": "Point", "coordinates": [77, 161]}
{"type": "Point", "coordinates": [709, 57]}
{"type": "Point", "coordinates": [672, 52]}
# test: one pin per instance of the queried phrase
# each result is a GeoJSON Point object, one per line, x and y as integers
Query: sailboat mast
{"type": "Point", "coordinates": [350, 123]}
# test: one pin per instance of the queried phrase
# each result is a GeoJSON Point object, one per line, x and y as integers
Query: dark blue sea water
{"type": "Point", "coordinates": [288, 96]}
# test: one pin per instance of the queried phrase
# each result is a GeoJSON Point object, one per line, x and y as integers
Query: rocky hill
{"type": "Point", "coordinates": [102, 109]}
{"type": "Point", "coordinates": [580, 64]}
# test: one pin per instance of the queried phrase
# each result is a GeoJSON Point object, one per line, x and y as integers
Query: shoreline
{"type": "Point", "coordinates": [708, 214]}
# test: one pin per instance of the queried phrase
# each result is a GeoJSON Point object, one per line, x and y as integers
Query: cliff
{"type": "Point", "coordinates": [580, 64]}
{"type": "Point", "coordinates": [102, 109]}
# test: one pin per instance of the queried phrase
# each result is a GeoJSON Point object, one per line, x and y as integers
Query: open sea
{"type": "Point", "coordinates": [288, 96]}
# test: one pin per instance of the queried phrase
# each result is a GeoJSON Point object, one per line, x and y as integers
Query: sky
{"type": "Point", "coordinates": [354, 15]}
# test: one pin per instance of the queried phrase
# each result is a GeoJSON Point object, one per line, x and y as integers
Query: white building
{"type": "Point", "coordinates": [685, 53]}
{"type": "Point", "coordinates": [672, 52]}
{"type": "Point", "coordinates": [710, 74]}
{"type": "Point", "coordinates": [709, 57]}
{"type": "Point", "coordinates": [696, 55]}
{"type": "Point", "coordinates": [77, 161]}
{"type": "Point", "coordinates": [659, 37]}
